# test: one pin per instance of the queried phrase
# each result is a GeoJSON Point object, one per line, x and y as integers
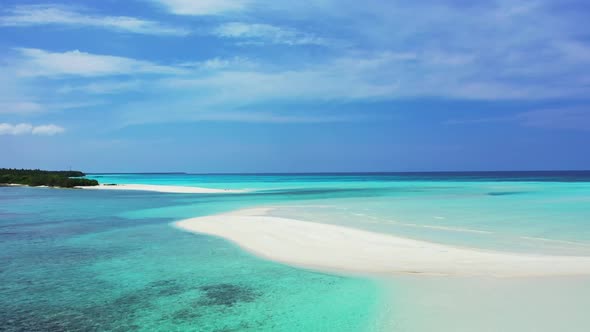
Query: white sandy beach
{"type": "Point", "coordinates": [164, 189]}
{"type": "Point", "coordinates": [335, 248]}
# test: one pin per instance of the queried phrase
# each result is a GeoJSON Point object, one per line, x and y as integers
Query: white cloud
{"type": "Point", "coordinates": [34, 15]}
{"type": "Point", "coordinates": [26, 108]}
{"type": "Point", "coordinates": [266, 33]}
{"type": "Point", "coordinates": [219, 63]}
{"type": "Point", "coordinates": [203, 7]}
{"type": "Point", "coordinates": [450, 43]}
{"type": "Point", "coordinates": [49, 130]}
{"type": "Point", "coordinates": [28, 129]}
{"type": "Point", "coordinates": [390, 53]}
{"type": "Point", "coordinates": [36, 62]}
{"type": "Point", "coordinates": [233, 92]}
{"type": "Point", "coordinates": [18, 129]}
{"type": "Point", "coordinates": [382, 75]}
{"type": "Point", "coordinates": [20, 107]}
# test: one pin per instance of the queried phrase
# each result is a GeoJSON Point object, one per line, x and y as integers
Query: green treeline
{"type": "Point", "coordinates": [36, 177]}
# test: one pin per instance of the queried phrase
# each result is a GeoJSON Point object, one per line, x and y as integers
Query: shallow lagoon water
{"type": "Point", "coordinates": [102, 260]}
{"type": "Point", "coordinates": [532, 217]}
{"type": "Point", "coordinates": [537, 212]}
{"type": "Point", "coordinates": [72, 260]}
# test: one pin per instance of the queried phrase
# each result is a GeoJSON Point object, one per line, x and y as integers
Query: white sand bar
{"type": "Point", "coordinates": [163, 189]}
{"type": "Point", "coordinates": [335, 248]}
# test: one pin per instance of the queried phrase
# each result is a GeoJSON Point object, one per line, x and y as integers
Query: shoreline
{"type": "Point", "coordinates": [341, 249]}
{"type": "Point", "coordinates": [164, 189]}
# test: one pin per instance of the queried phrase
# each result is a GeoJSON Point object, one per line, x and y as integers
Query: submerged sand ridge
{"type": "Point", "coordinates": [336, 248]}
{"type": "Point", "coordinates": [165, 189]}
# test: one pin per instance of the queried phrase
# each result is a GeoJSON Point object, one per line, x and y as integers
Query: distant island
{"type": "Point", "coordinates": [36, 177]}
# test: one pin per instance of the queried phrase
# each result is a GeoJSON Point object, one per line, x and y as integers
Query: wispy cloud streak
{"type": "Point", "coordinates": [36, 62]}
{"type": "Point", "coordinates": [36, 15]}
{"type": "Point", "coordinates": [28, 129]}
{"type": "Point", "coordinates": [250, 33]}
{"type": "Point", "coordinates": [203, 7]}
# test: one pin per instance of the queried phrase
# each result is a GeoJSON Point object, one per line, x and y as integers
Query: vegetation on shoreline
{"type": "Point", "coordinates": [36, 177]}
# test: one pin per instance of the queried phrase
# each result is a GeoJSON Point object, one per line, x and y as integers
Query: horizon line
{"type": "Point", "coordinates": [343, 173]}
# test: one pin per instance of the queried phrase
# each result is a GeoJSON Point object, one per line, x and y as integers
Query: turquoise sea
{"type": "Point", "coordinates": [84, 260]}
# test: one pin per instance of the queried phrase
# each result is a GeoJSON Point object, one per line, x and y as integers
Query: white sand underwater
{"type": "Point", "coordinates": [163, 189]}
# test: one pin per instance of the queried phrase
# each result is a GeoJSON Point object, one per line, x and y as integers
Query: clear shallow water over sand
{"type": "Point", "coordinates": [486, 304]}
{"type": "Point", "coordinates": [545, 212]}
{"type": "Point", "coordinates": [85, 260]}
{"type": "Point", "coordinates": [102, 260]}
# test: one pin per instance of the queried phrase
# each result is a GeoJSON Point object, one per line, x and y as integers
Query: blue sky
{"type": "Point", "coordinates": [295, 86]}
